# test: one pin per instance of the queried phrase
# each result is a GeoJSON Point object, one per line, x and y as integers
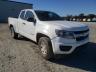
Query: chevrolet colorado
{"type": "Point", "coordinates": [50, 31]}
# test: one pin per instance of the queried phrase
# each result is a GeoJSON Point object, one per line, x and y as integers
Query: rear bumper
{"type": "Point", "coordinates": [69, 45]}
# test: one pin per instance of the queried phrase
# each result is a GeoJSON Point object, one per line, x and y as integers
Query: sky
{"type": "Point", "coordinates": [64, 7]}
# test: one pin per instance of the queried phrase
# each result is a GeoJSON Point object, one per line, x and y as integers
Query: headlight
{"type": "Point", "coordinates": [64, 34]}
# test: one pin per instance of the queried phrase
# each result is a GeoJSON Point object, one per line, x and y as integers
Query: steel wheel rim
{"type": "Point", "coordinates": [12, 32]}
{"type": "Point", "coordinates": [43, 48]}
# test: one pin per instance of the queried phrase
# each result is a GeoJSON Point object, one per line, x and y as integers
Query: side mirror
{"type": "Point", "coordinates": [30, 19]}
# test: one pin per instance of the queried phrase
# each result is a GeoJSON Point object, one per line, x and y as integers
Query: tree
{"type": "Point", "coordinates": [91, 16]}
{"type": "Point", "coordinates": [69, 17]}
{"type": "Point", "coordinates": [81, 16]}
{"type": "Point", "coordinates": [76, 17]}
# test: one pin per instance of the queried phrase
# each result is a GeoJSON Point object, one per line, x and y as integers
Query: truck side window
{"type": "Point", "coordinates": [29, 14]}
{"type": "Point", "coordinates": [22, 15]}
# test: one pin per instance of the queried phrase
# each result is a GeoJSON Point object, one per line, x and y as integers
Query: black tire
{"type": "Point", "coordinates": [45, 44]}
{"type": "Point", "coordinates": [13, 33]}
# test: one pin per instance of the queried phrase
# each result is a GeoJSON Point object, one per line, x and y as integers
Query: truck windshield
{"type": "Point", "coordinates": [48, 16]}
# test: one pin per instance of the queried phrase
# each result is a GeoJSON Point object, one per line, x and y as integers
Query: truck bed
{"type": "Point", "coordinates": [12, 21]}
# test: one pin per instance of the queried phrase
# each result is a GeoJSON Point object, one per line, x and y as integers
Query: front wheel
{"type": "Point", "coordinates": [46, 48]}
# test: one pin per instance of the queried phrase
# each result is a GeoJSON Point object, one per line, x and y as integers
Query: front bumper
{"type": "Point", "coordinates": [57, 42]}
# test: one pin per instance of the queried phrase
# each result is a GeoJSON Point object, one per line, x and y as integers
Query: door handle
{"type": "Point", "coordinates": [24, 23]}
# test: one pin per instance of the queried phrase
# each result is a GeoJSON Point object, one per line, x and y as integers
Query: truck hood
{"type": "Point", "coordinates": [68, 24]}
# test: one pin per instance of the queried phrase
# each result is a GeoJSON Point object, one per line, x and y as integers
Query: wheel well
{"type": "Point", "coordinates": [10, 26]}
{"type": "Point", "coordinates": [39, 35]}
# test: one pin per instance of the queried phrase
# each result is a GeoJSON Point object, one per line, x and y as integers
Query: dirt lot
{"type": "Point", "coordinates": [23, 56]}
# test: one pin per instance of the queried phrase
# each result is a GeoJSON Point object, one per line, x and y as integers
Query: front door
{"type": "Point", "coordinates": [21, 22]}
{"type": "Point", "coordinates": [29, 27]}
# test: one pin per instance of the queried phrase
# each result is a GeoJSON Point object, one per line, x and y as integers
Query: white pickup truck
{"type": "Point", "coordinates": [50, 31]}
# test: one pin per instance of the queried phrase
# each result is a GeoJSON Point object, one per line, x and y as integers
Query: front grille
{"type": "Point", "coordinates": [80, 32]}
{"type": "Point", "coordinates": [81, 35]}
{"type": "Point", "coordinates": [81, 38]}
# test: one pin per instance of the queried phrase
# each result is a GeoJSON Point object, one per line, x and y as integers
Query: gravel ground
{"type": "Point", "coordinates": [23, 56]}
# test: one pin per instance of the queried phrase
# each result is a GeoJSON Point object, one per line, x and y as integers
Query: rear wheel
{"type": "Point", "coordinates": [46, 48]}
{"type": "Point", "coordinates": [13, 33]}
